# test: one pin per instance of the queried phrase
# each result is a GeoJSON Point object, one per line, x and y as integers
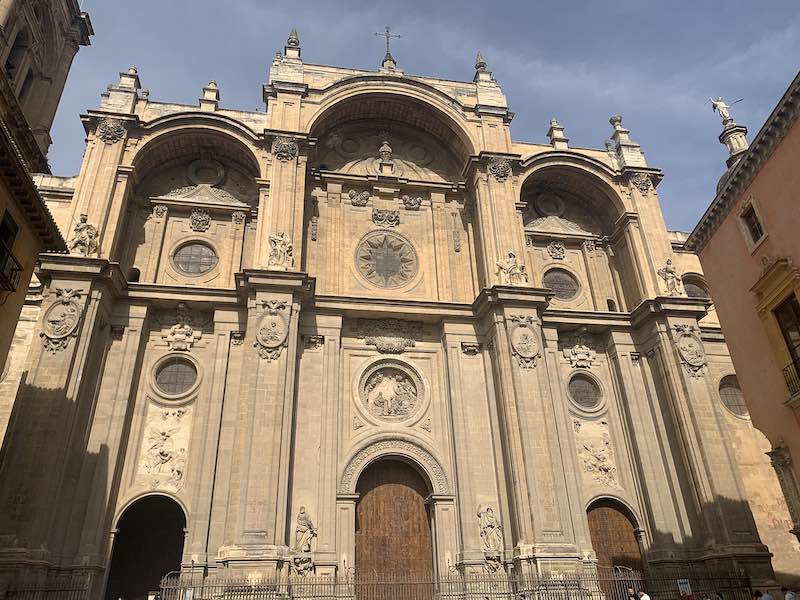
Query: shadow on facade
{"type": "Point", "coordinates": [58, 500]}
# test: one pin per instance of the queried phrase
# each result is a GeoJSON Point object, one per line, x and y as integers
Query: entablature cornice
{"type": "Point", "coordinates": [338, 177]}
{"type": "Point", "coordinates": [72, 267]}
{"type": "Point", "coordinates": [484, 158]}
{"type": "Point", "coordinates": [511, 297]}
{"type": "Point", "coordinates": [293, 282]}
{"type": "Point", "coordinates": [655, 174]}
{"type": "Point", "coordinates": [273, 88]}
{"type": "Point", "coordinates": [594, 321]}
{"type": "Point", "coordinates": [669, 306]}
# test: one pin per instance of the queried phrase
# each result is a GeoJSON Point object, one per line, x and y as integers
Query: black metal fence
{"type": "Point", "coordinates": [587, 585]}
{"type": "Point", "coordinates": [66, 587]}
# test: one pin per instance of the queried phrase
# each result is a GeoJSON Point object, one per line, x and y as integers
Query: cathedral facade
{"type": "Point", "coordinates": [367, 331]}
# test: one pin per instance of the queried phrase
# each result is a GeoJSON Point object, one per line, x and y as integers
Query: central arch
{"type": "Point", "coordinates": [393, 536]}
{"type": "Point", "coordinates": [148, 545]}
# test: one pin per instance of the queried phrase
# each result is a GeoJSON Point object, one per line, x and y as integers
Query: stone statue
{"type": "Point", "coordinates": [671, 278]}
{"type": "Point", "coordinates": [491, 537]}
{"type": "Point", "coordinates": [510, 271]}
{"type": "Point", "coordinates": [304, 532]}
{"type": "Point", "coordinates": [281, 251]}
{"type": "Point", "coordinates": [720, 106]}
{"type": "Point", "coordinates": [84, 238]}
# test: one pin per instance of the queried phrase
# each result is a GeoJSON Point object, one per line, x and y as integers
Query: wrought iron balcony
{"type": "Point", "coordinates": [10, 270]}
{"type": "Point", "coordinates": [790, 375]}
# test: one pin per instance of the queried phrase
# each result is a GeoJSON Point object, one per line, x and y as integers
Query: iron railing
{"type": "Point", "coordinates": [71, 586]}
{"type": "Point", "coordinates": [10, 270]}
{"type": "Point", "coordinates": [791, 377]}
{"type": "Point", "coordinates": [584, 585]}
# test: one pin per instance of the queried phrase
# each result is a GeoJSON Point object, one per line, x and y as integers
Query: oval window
{"type": "Point", "coordinates": [731, 395]}
{"type": "Point", "coordinates": [584, 391]}
{"type": "Point", "coordinates": [195, 258]}
{"type": "Point", "coordinates": [176, 376]}
{"type": "Point", "coordinates": [563, 283]}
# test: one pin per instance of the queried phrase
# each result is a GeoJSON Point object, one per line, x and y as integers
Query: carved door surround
{"type": "Point", "coordinates": [440, 501]}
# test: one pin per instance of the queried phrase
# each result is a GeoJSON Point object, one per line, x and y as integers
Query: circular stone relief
{"type": "Point", "coordinates": [391, 391]}
{"type": "Point", "coordinates": [61, 319]}
{"type": "Point", "coordinates": [386, 259]}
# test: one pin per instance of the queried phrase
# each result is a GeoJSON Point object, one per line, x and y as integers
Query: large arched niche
{"type": "Point", "coordinates": [615, 532]}
{"type": "Point", "coordinates": [569, 198]}
{"type": "Point", "coordinates": [162, 164]}
{"type": "Point", "coordinates": [148, 544]}
{"type": "Point", "coordinates": [426, 142]}
{"type": "Point", "coordinates": [403, 450]}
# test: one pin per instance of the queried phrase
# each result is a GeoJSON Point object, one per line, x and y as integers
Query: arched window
{"type": "Point", "coordinates": [695, 287]}
{"type": "Point", "coordinates": [731, 395]}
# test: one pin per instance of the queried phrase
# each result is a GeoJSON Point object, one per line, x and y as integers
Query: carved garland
{"type": "Point", "coordinates": [285, 149]}
{"type": "Point", "coordinates": [389, 336]}
{"type": "Point", "coordinates": [500, 168]}
{"type": "Point", "coordinates": [358, 198]}
{"type": "Point", "coordinates": [385, 218]}
{"type": "Point", "coordinates": [60, 322]}
{"type": "Point", "coordinates": [435, 472]}
{"type": "Point", "coordinates": [110, 131]}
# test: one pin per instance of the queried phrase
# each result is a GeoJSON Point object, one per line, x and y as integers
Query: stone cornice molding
{"type": "Point", "coordinates": [512, 297]}
{"type": "Point", "coordinates": [297, 283]}
{"type": "Point", "coordinates": [485, 158]}
{"type": "Point", "coordinates": [691, 308]}
{"type": "Point", "coordinates": [747, 168]}
{"type": "Point", "coordinates": [81, 268]}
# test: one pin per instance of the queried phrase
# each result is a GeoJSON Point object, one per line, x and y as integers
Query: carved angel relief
{"type": "Point", "coordinates": [164, 449]}
{"type": "Point", "coordinates": [593, 441]}
{"type": "Point", "coordinates": [525, 345]}
{"type": "Point", "coordinates": [272, 330]}
{"type": "Point", "coordinates": [60, 322]}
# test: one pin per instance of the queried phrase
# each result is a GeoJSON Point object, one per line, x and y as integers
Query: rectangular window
{"type": "Point", "coordinates": [753, 225]}
{"type": "Point", "coordinates": [788, 316]}
{"type": "Point", "coordinates": [8, 230]}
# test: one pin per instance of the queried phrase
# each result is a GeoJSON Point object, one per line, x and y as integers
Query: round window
{"type": "Point", "coordinates": [584, 391]}
{"type": "Point", "coordinates": [386, 259]}
{"type": "Point", "coordinates": [195, 258]}
{"type": "Point", "coordinates": [695, 289]}
{"type": "Point", "coordinates": [563, 283]}
{"type": "Point", "coordinates": [176, 376]}
{"type": "Point", "coordinates": [731, 395]}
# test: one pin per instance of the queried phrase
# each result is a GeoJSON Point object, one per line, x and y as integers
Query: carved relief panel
{"type": "Point", "coordinates": [596, 455]}
{"type": "Point", "coordinates": [164, 448]}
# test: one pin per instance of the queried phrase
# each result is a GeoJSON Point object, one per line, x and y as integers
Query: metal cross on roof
{"type": "Point", "coordinates": [388, 35]}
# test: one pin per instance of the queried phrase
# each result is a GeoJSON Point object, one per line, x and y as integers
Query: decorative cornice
{"type": "Point", "coordinates": [747, 168]}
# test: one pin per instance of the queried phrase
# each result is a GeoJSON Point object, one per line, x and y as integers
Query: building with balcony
{"type": "Point", "coordinates": [748, 242]}
{"type": "Point", "coordinates": [38, 40]}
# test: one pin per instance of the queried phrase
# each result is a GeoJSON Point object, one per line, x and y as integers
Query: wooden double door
{"type": "Point", "coordinates": [393, 527]}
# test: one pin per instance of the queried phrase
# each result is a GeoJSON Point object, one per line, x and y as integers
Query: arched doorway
{"type": "Point", "coordinates": [393, 527]}
{"type": "Point", "coordinates": [613, 532]}
{"type": "Point", "coordinates": [147, 546]}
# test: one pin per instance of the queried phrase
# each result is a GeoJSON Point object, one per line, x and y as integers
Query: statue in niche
{"type": "Point", "coordinates": [511, 272]}
{"type": "Point", "coordinates": [491, 537]}
{"type": "Point", "coordinates": [84, 238]}
{"type": "Point", "coordinates": [304, 531]}
{"type": "Point", "coordinates": [281, 250]}
{"type": "Point", "coordinates": [390, 393]}
{"type": "Point", "coordinates": [671, 279]}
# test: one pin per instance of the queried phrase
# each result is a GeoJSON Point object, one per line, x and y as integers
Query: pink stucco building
{"type": "Point", "coordinates": [749, 245]}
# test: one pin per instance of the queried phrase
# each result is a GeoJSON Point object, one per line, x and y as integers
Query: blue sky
{"type": "Point", "coordinates": [656, 63]}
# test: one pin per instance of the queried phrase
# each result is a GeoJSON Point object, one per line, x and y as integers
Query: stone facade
{"type": "Point", "coordinates": [260, 312]}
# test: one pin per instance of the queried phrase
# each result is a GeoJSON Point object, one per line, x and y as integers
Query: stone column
{"type": "Point", "coordinates": [258, 495]}
{"type": "Point", "coordinates": [346, 532]}
{"type": "Point", "coordinates": [498, 228]}
{"type": "Point", "coordinates": [443, 525]}
{"type": "Point", "coordinates": [45, 453]}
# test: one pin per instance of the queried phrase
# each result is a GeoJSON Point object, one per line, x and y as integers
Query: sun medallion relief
{"type": "Point", "coordinates": [391, 391]}
{"type": "Point", "coordinates": [386, 259]}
